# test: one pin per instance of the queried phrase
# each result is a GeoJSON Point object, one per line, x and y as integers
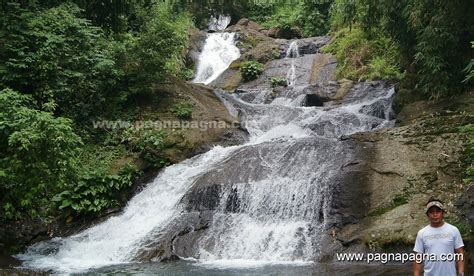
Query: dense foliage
{"type": "Point", "coordinates": [157, 50]}
{"type": "Point", "coordinates": [37, 156]}
{"type": "Point", "coordinates": [432, 36]}
{"type": "Point", "coordinates": [65, 64]}
{"type": "Point", "coordinates": [363, 58]}
{"type": "Point", "coordinates": [60, 59]}
{"type": "Point", "coordinates": [309, 17]}
{"type": "Point", "coordinates": [95, 192]}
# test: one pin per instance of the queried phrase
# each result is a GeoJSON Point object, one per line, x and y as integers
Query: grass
{"type": "Point", "coordinates": [360, 58]}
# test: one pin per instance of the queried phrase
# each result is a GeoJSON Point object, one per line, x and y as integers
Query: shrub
{"type": "Point", "coordinates": [250, 70]}
{"type": "Point", "coordinates": [278, 81]}
{"type": "Point", "coordinates": [187, 74]}
{"type": "Point", "coordinates": [183, 110]}
{"type": "Point", "coordinates": [149, 143]}
{"type": "Point", "coordinates": [361, 58]}
{"type": "Point", "coordinates": [37, 157]}
{"type": "Point", "coordinates": [95, 192]}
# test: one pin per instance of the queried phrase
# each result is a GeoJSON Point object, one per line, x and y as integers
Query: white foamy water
{"type": "Point", "coordinates": [118, 239]}
{"type": "Point", "coordinates": [219, 23]}
{"type": "Point", "coordinates": [218, 53]}
{"type": "Point", "coordinates": [292, 52]}
{"type": "Point", "coordinates": [274, 190]}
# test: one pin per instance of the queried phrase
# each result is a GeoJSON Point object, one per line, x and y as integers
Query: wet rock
{"type": "Point", "coordinates": [8, 262]}
{"type": "Point", "coordinates": [197, 39]}
{"type": "Point", "coordinates": [404, 167]}
{"type": "Point", "coordinates": [233, 202]}
{"type": "Point", "coordinates": [324, 68]}
{"type": "Point", "coordinates": [15, 235]}
{"type": "Point", "coordinates": [307, 46]}
{"type": "Point", "coordinates": [312, 45]}
{"type": "Point", "coordinates": [376, 109]}
{"type": "Point", "coordinates": [204, 198]}
{"type": "Point", "coordinates": [315, 100]}
{"type": "Point", "coordinates": [325, 91]}
{"type": "Point", "coordinates": [175, 242]}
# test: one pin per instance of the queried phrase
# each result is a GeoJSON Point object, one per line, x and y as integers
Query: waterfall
{"type": "Point", "coordinates": [292, 52]}
{"type": "Point", "coordinates": [267, 201]}
{"type": "Point", "coordinates": [218, 53]}
{"type": "Point", "coordinates": [119, 238]}
{"type": "Point", "coordinates": [220, 23]}
{"type": "Point", "coordinates": [274, 208]}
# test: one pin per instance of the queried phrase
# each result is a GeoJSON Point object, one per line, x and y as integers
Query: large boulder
{"type": "Point", "coordinates": [285, 33]}
{"type": "Point", "coordinates": [404, 167]}
{"type": "Point", "coordinates": [250, 24]}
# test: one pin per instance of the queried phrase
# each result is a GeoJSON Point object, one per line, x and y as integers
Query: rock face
{"type": "Point", "coordinates": [379, 200]}
{"type": "Point", "coordinates": [222, 192]}
{"type": "Point", "coordinates": [15, 236]}
{"type": "Point", "coordinates": [401, 168]}
{"type": "Point", "coordinates": [208, 109]}
{"type": "Point", "coordinates": [197, 40]}
{"type": "Point", "coordinates": [407, 166]}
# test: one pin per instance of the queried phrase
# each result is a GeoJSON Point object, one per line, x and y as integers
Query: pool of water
{"type": "Point", "coordinates": [244, 268]}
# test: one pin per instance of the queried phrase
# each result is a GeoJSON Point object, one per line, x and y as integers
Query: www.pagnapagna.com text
{"type": "Point", "coordinates": [397, 257]}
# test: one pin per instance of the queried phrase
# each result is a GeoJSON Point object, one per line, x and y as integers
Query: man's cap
{"type": "Point", "coordinates": [436, 204]}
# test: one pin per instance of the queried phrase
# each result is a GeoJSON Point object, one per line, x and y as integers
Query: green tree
{"type": "Point", "coordinates": [314, 17]}
{"type": "Point", "coordinates": [433, 36]}
{"type": "Point", "coordinates": [37, 156]}
{"type": "Point", "coordinates": [157, 51]}
{"type": "Point", "coordinates": [59, 59]}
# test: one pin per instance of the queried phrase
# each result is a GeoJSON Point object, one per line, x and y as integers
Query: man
{"type": "Point", "coordinates": [441, 239]}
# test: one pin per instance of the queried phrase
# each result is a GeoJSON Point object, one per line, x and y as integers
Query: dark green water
{"type": "Point", "coordinates": [193, 268]}
{"type": "Point", "coordinates": [190, 268]}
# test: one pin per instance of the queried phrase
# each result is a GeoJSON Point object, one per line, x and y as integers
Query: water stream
{"type": "Point", "coordinates": [218, 53]}
{"type": "Point", "coordinates": [268, 199]}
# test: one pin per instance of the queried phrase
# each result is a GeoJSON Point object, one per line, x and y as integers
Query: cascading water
{"type": "Point", "coordinates": [267, 200]}
{"type": "Point", "coordinates": [118, 239]}
{"type": "Point", "coordinates": [219, 23]}
{"type": "Point", "coordinates": [218, 53]}
{"type": "Point", "coordinates": [292, 53]}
